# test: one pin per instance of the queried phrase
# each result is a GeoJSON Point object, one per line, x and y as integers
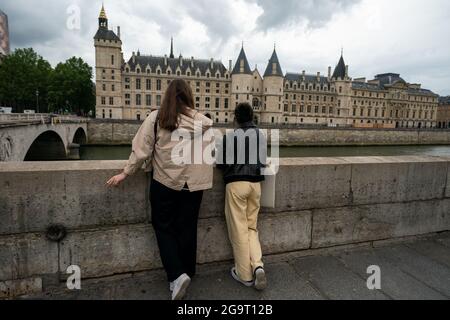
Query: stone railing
{"type": "Point", "coordinates": [320, 203]}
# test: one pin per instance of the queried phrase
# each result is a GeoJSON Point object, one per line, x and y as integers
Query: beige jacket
{"type": "Point", "coordinates": [165, 171]}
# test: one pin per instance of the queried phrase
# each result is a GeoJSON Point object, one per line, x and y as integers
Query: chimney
{"type": "Point", "coordinates": [230, 65]}
{"type": "Point", "coordinates": [329, 72]}
{"type": "Point", "coordinates": [133, 57]}
{"type": "Point", "coordinates": [212, 64]}
{"type": "Point", "coordinates": [181, 60]}
{"type": "Point", "coordinates": [192, 62]}
{"type": "Point", "coordinates": [303, 75]}
{"type": "Point", "coordinates": [346, 71]}
{"type": "Point", "coordinates": [165, 59]}
{"type": "Point", "coordinates": [118, 31]}
{"type": "Point", "coordinates": [318, 76]}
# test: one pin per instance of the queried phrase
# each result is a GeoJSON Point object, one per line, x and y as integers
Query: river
{"type": "Point", "coordinates": [122, 152]}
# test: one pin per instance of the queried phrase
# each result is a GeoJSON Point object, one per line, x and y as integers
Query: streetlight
{"type": "Point", "coordinates": [37, 100]}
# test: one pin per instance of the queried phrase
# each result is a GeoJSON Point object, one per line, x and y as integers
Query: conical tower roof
{"type": "Point", "coordinates": [242, 60]}
{"type": "Point", "coordinates": [272, 70]}
{"type": "Point", "coordinates": [102, 13]}
{"type": "Point", "coordinates": [339, 71]}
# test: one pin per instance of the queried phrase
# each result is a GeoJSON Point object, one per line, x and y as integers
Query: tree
{"type": "Point", "coordinates": [71, 88]}
{"type": "Point", "coordinates": [23, 74]}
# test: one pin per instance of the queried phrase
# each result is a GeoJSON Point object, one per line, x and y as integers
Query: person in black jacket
{"type": "Point", "coordinates": [242, 156]}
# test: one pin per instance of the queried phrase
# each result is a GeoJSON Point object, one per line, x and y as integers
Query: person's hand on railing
{"type": "Point", "coordinates": [116, 180]}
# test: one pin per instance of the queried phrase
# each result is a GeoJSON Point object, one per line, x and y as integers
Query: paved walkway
{"type": "Point", "coordinates": [418, 269]}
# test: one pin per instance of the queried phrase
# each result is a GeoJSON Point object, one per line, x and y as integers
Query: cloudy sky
{"type": "Point", "coordinates": [404, 36]}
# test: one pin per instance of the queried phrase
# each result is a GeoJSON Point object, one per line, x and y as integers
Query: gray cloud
{"type": "Point", "coordinates": [306, 35]}
{"type": "Point", "coordinates": [313, 13]}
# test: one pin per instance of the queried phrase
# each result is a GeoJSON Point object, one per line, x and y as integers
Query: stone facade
{"type": "Point", "coordinates": [131, 89]}
{"type": "Point", "coordinates": [443, 113]}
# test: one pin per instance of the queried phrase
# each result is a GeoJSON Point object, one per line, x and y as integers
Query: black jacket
{"type": "Point", "coordinates": [250, 154]}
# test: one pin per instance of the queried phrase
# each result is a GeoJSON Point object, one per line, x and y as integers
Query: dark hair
{"type": "Point", "coordinates": [243, 113]}
{"type": "Point", "coordinates": [177, 101]}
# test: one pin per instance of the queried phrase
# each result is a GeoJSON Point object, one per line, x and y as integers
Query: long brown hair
{"type": "Point", "coordinates": [177, 100]}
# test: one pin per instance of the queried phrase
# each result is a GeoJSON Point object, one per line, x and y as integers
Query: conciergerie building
{"type": "Point", "coordinates": [130, 89]}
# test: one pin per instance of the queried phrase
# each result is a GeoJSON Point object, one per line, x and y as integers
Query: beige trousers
{"type": "Point", "coordinates": [242, 204]}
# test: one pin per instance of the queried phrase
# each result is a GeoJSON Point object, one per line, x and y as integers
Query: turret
{"type": "Point", "coordinates": [343, 86]}
{"type": "Point", "coordinates": [108, 66]}
{"type": "Point", "coordinates": [273, 91]}
{"type": "Point", "coordinates": [241, 80]}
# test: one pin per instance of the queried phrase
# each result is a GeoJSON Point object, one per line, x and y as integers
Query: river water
{"type": "Point", "coordinates": [122, 152]}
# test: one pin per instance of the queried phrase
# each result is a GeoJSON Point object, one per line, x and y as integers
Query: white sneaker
{"type": "Point", "coordinates": [260, 279]}
{"type": "Point", "coordinates": [180, 286]}
{"type": "Point", "coordinates": [236, 277]}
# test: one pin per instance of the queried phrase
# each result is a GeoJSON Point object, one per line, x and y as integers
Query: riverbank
{"type": "Point", "coordinates": [107, 132]}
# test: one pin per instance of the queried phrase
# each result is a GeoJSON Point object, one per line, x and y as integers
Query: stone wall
{"type": "Point", "coordinates": [320, 203]}
{"type": "Point", "coordinates": [113, 132]}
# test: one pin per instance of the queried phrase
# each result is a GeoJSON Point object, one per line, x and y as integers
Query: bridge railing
{"type": "Point", "coordinates": [44, 118]}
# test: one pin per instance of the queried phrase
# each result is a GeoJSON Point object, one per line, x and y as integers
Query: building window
{"type": "Point", "coordinates": [148, 84]}
{"type": "Point", "coordinates": [113, 88]}
{"type": "Point", "coordinates": [217, 103]}
{"type": "Point", "coordinates": [138, 84]}
{"type": "Point", "coordinates": [103, 100]}
{"type": "Point", "coordinates": [104, 87]}
{"type": "Point", "coordinates": [148, 99]}
{"type": "Point", "coordinates": [226, 103]}
{"type": "Point", "coordinates": [112, 59]}
{"type": "Point", "coordinates": [158, 85]}
{"type": "Point", "coordinates": [111, 100]}
{"type": "Point", "coordinates": [127, 83]}
{"type": "Point", "coordinates": [138, 117]}
{"type": "Point", "coordinates": [138, 100]}
{"type": "Point", "coordinates": [158, 100]}
{"type": "Point", "coordinates": [127, 99]}
{"type": "Point", "coordinates": [103, 113]}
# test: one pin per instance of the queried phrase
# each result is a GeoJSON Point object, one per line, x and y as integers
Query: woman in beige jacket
{"type": "Point", "coordinates": [177, 188]}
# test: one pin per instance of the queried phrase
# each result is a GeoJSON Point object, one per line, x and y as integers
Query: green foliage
{"type": "Point", "coordinates": [71, 88]}
{"type": "Point", "coordinates": [67, 88]}
{"type": "Point", "coordinates": [21, 74]}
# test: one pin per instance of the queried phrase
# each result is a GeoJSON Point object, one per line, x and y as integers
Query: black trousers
{"type": "Point", "coordinates": [175, 218]}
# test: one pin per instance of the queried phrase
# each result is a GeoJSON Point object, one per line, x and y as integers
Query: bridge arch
{"type": "Point", "coordinates": [80, 137]}
{"type": "Point", "coordinates": [47, 146]}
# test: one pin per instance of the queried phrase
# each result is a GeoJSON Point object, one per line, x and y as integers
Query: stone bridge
{"type": "Point", "coordinates": [40, 137]}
